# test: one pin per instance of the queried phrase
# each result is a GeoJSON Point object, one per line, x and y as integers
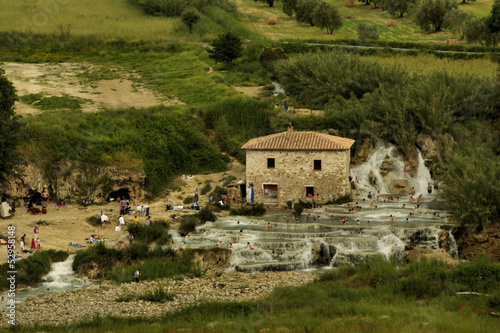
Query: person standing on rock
{"type": "Point", "coordinates": [137, 274]}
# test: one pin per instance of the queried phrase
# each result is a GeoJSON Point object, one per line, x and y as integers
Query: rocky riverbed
{"type": "Point", "coordinates": [122, 300]}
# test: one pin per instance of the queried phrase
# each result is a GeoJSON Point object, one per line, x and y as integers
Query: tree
{"type": "Point", "coordinates": [190, 17]}
{"type": "Point", "coordinates": [326, 16]}
{"type": "Point", "coordinates": [10, 129]}
{"type": "Point", "coordinates": [289, 7]}
{"type": "Point", "coordinates": [477, 30]}
{"type": "Point", "coordinates": [398, 7]}
{"type": "Point", "coordinates": [430, 13]}
{"type": "Point", "coordinates": [226, 48]}
{"type": "Point", "coordinates": [304, 9]}
{"type": "Point", "coordinates": [493, 20]}
{"type": "Point", "coordinates": [367, 31]}
{"type": "Point", "coordinates": [456, 19]}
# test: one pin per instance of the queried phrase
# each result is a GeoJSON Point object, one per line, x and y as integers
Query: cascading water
{"type": "Point", "coordinates": [391, 246]}
{"type": "Point", "coordinates": [453, 248]}
{"type": "Point", "coordinates": [374, 163]}
{"type": "Point", "coordinates": [60, 278]}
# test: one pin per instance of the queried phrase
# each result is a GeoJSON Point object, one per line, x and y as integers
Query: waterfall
{"type": "Point", "coordinates": [374, 162]}
{"type": "Point", "coordinates": [391, 245]}
{"type": "Point", "coordinates": [453, 250]}
{"type": "Point", "coordinates": [423, 176]}
{"type": "Point", "coordinates": [278, 88]}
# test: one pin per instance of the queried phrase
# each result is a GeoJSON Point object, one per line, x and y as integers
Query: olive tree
{"type": "Point", "coordinates": [326, 16]}
{"type": "Point", "coordinates": [430, 13]}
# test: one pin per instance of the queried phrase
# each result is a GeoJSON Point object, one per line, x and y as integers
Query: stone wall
{"type": "Point", "coordinates": [294, 170]}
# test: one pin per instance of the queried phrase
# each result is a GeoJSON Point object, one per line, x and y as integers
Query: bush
{"type": "Point", "coordinates": [94, 220]}
{"type": "Point", "coordinates": [206, 188]}
{"type": "Point", "coordinates": [255, 210]}
{"type": "Point", "coordinates": [206, 214]}
{"type": "Point", "coordinates": [157, 294]}
{"type": "Point", "coordinates": [188, 224]}
{"type": "Point", "coordinates": [188, 200]}
{"type": "Point", "coordinates": [480, 275]}
{"type": "Point", "coordinates": [105, 259]}
{"type": "Point", "coordinates": [157, 232]}
{"type": "Point", "coordinates": [367, 31]}
{"type": "Point", "coordinates": [138, 250]}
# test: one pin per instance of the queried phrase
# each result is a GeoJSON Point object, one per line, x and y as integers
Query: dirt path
{"type": "Point", "coordinates": [93, 87]}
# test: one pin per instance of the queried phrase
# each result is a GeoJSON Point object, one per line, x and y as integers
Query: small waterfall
{"type": "Point", "coordinates": [372, 164]}
{"type": "Point", "coordinates": [453, 250]}
{"type": "Point", "coordinates": [423, 176]}
{"type": "Point", "coordinates": [278, 88]}
{"type": "Point", "coordinates": [391, 245]}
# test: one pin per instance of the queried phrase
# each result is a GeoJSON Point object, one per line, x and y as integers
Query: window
{"type": "Point", "coordinates": [270, 163]}
{"type": "Point", "coordinates": [310, 191]}
{"type": "Point", "coordinates": [317, 165]}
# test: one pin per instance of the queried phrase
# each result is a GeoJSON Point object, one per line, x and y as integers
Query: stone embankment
{"type": "Point", "coordinates": [122, 300]}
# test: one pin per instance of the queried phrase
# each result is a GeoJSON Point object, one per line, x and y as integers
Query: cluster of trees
{"type": "Point", "coordinates": [314, 12]}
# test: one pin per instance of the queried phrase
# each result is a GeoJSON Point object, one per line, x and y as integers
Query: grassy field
{"type": "Point", "coordinates": [118, 19]}
{"type": "Point", "coordinates": [257, 14]}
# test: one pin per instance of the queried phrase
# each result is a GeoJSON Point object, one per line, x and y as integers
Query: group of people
{"type": "Point", "coordinates": [36, 242]}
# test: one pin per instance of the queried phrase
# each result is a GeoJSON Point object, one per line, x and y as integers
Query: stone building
{"type": "Point", "coordinates": [297, 165]}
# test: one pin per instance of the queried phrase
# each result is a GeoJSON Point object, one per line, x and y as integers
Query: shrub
{"type": "Point", "coordinates": [157, 232]}
{"type": "Point", "coordinates": [94, 220]}
{"type": "Point", "coordinates": [188, 200]}
{"type": "Point", "coordinates": [105, 259]}
{"type": "Point", "coordinates": [138, 250]}
{"type": "Point", "coordinates": [480, 275]}
{"type": "Point", "coordinates": [255, 210]}
{"type": "Point", "coordinates": [157, 294]}
{"type": "Point", "coordinates": [188, 224]}
{"type": "Point", "coordinates": [206, 214]}
{"type": "Point", "coordinates": [205, 189]}
{"type": "Point", "coordinates": [367, 31]}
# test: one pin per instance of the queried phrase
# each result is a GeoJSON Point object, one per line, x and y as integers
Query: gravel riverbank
{"type": "Point", "coordinates": [121, 300]}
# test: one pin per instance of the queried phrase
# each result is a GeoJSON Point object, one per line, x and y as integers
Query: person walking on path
{"type": "Point", "coordinates": [196, 194]}
{"type": "Point", "coordinates": [137, 274]}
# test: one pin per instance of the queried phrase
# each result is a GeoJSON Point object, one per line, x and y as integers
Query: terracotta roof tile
{"type": "Point", "coordinates": [297, 140]}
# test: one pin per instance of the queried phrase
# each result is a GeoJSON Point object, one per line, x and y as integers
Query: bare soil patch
{"type": "Point", "coordinates": [75, 80]}
{"type": "Point", "coordinates": [250, 91]}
